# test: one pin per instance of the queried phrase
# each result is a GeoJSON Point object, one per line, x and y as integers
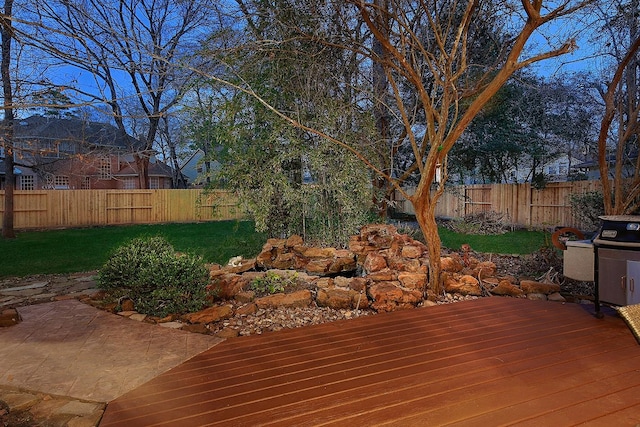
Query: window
{"type": "Point", "coordinates": [86, 183]}
{"type": "Point", "coordinates": [61, 182]}
{"type": "Point", "coordinates": [154, 182]}
{"type": "Point", "coordinates": [105, 168]}
{"type": "Point", "coordinates": [564, 168]}
{"type": "Point", "coordinates": [27, 182]}
{"type": "Point", "coordinates": [49, 149]}
{"type": "Point", "coordinates": [67, 147]}
{"type": "Point", "coordinates": [130, 183]}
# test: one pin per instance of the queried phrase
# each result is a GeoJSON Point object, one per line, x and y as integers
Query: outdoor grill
{"type": "Point", "coordinates": [617, 261]}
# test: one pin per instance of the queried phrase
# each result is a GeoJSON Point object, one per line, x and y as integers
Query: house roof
{"type": "Point", "coordinates": [75, 130]}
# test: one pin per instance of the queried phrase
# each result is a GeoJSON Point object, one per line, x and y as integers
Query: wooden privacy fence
{"type": "Point", "coordinates": [82, 208]}
{"type": "Point", "coordinates": [521, 203]}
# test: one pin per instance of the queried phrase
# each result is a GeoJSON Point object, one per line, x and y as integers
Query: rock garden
{"type": "Point", "coordinates": [292, 284]}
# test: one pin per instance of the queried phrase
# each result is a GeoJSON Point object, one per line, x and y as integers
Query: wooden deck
{"type": "Point", "coordinates": [494, 361]}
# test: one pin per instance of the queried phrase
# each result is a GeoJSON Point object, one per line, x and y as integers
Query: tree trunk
{"type": "Point", "coordinates": [424, 206]}
{"type": "Point", "coordinates": [8, 215]}
{"type": "Point", "coordinates": [142, 165]}
{"type": "Point", "coordinates": [380, 94]}
{"type": "Point", "coordinates": [7, 126]}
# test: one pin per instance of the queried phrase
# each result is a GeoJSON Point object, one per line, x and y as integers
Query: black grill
{"type": "Point", "coordinates": [617, 261]}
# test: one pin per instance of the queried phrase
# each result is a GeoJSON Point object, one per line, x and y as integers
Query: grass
{"type": "Point", "coordinates": [74, 250]}
{"type": "Point", "coordinates": [517, 242]}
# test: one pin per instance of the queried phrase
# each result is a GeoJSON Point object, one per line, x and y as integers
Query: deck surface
{"type": "Point", "coordinates": [494, 361]}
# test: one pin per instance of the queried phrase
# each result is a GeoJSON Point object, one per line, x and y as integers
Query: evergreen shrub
{"type": "Point", "coordinates": [157, 279]}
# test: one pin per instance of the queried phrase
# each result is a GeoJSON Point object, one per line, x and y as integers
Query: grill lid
{"type": "Point", "coordinates": [619, 230]}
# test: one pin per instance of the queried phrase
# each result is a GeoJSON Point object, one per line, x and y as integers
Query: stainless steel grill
{"type": "Point", "coordinates": [617, 261]}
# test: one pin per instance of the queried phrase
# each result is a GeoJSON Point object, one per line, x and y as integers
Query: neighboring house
{"type": "Point", "coordinates": [195, 169]}
{"type": "Point", "coordinates": [556, 170]}
{"type": "Point", "coordinates": [591, 167]}
{"type": "Point", "coordinates": [52, 153]}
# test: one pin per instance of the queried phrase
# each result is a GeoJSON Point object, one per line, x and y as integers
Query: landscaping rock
{"type": "Point", "coordinates": [294, 241]}
{"type": "Point", "coordinates": [482, 269]}
{"type": "Point", "coordinates": [374, 262]}
{"type": "Point", "coordinates": [462, 284]}
{"type": "Point", "coordinates": [390, 296]}
{"type": "Point", "coordinates": [386, 275]}
{"type": "Point", "coordinates": [318, 266]}
{"type": "Point", "coordinates": [127, 305]}
{"type": "Point", "coordinates": [226, 285]}
{"type": "Point", "coordinates": [315, 252]}
{"type": "Point", "coordinates": [557, 297]}
{"type": "Point", "coordinates": [533, 287]}
{"type": "Point", "coordinates": [242, 266]}
{"type": "Point", "coordinates": [405, 264]}
{"type": "Point", "coordinates": [412, 251]}
{"type": "Point", "coordinates": [452, 264]}
{"type": "Point", "coordinates": [537, 297]}
{"type": "Point", "coordinates": [284, 261]}
{"type": "Point", "coordinates": [210, 314]}
{"type": "Point", "coordinates": [301, 298]}
{"type": "Point", "coordinates": [9, 317]}
{"type": "Point", "coordinates": [341, 298]}
{"type": "Point", "coordinates": [412, 280]}
{"type": "Point", "coordinates": [245, 296]}
{"type": "Point", "coordinates": [506, 288]}
{"type": "Point", "coordinates": [246, 309]}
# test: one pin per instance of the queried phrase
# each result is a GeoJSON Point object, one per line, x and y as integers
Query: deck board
{"type": "Point", "coordinates": [493, 361]}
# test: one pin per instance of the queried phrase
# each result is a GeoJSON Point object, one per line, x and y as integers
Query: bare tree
{"type": "Point", "coordinates": [621, 112]}
{"type": "Point", "coordinates": [616, 46]}
{"type": "Point", "coordinates": [131, 49]}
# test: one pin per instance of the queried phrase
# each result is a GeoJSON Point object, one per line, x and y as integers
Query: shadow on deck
{"type": "Point", "coordinates": [493, 361]}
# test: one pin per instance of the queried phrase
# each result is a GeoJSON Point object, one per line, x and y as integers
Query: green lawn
{"type": "Point", "coordinates": [516, 242]}
{"type": "Point", "coordinates": [73, 250]}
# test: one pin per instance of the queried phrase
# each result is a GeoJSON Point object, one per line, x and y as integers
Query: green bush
{"type": "Point", "coordinates": [159, 281]}
{"type": "Point", "coordinates": [272, 283]}
{"type": "Point", "coordinates": [587, 208]}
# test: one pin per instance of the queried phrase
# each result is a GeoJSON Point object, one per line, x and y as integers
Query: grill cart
{"type": "Point", "coordinates": [617, 261]}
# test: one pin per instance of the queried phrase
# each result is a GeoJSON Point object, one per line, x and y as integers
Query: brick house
{"type": "Point", "coordinates": [63, 153]}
